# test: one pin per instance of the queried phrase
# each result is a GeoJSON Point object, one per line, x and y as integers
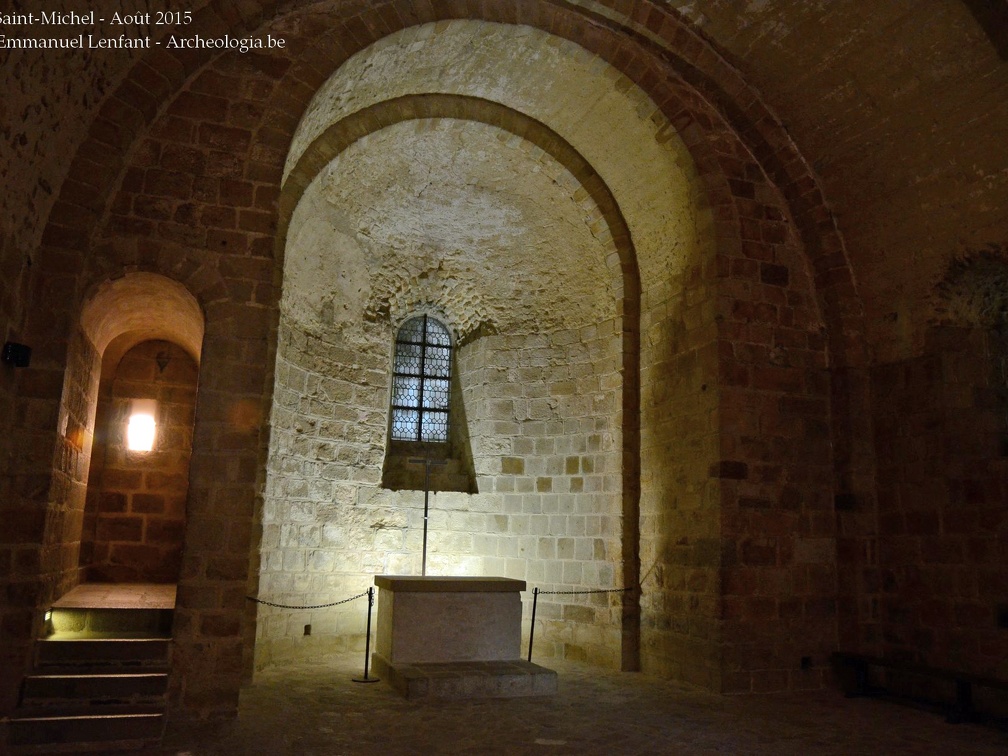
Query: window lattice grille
{"type": "Point", "coordinates": [421, 374]}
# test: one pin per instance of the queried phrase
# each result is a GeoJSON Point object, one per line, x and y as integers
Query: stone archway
{"type": "Point", "coordinates": [147, 333]}
{"type": "Point", "coordinates": [666, 240]}
{"type": "Point", "coordinates": [740, 150]}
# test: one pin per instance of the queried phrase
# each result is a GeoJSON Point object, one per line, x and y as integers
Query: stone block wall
{"type": "Point", "coordinates": [196, 212]}
{"type": "Point", "coordinates": [49, 442]}
{"type": "Point", "coordinates": [74, 442]}
{"type": "Point", "coordinates": [942, 574]}
{"type": "Point", "coordinates": [45, 450]}
{"type": "Point", "coordinates": [543, 419]}
{"type": "Point", "coordinates": [134, 523]}
{"type": "Point", "coordinates": [680, 522]}
{"type": "Point", "coordinates": [738, 527]}
{"type": "Point", "coordinates": [776, 468]}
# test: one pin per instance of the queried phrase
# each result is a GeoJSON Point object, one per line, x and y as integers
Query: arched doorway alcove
{"type": "Point", "coordinates": [147, 331]}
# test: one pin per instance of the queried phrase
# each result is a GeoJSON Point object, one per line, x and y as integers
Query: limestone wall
{"type": "Point", "coordinates": [44, 499]}
{"type": "Point", "coordinates": [543, 417]}
{"type": "Point", "coordinates": [180, 174]}
{"type": "Point", "coordinates": [50, 99]}
{"type": "Point", "coordinates": [737, 533]}
{"type": "Point", "coordinates": [493, 236]}
{"type": "Point", "coordinates": [779, 525]}
{"type": "Point", "coordinates": [680, 437]}
{"type": "Point", "coordinates": [71, 460]}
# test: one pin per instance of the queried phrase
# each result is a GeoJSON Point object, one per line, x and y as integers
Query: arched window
{"type": "Point", "coordinates": [421, 377]}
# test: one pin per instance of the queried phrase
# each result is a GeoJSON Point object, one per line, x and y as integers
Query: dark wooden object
{"type": "Point", "coordinates": [961, 710]}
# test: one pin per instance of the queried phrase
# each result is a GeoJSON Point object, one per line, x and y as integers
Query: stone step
{"type": "Point", "coordinates": [78, 709]}
{"type": "Point", "coordinates": [99, 682]}
{"type": "Point", "coordinates": [50, 690]}
{"type": "Point", "coordinates": [112, 621]}
{"type": "Point", "coordinates": [105, 732]}
{"type": "Point", "coordinates": [55, 655]}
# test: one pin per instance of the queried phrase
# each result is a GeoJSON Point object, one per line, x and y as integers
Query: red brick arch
{"type": "Point", "coordinates": [694, 85]}
{"type": "Point", "coordinates": [724, 122]}
{"type": "Point", "coordinates": [186, 196]}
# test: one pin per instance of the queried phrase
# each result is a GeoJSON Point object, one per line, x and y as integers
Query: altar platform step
{"type": "Point", "coordinates": [474, 679]}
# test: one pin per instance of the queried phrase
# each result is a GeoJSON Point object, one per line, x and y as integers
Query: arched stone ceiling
{"type": "Point", "coordinates": [454, 213]}
{"type": "Point", "coordinates": [49, 99]}
{"type": "Point", "coordinates": [902, 114]}
{"type": "Point", "coordinates": [139, 307]}
{"type": "Point", "coordinates": [599, 112]}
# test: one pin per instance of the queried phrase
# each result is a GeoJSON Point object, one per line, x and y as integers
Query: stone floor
{"type": "Point", "coordinates": [317, 709]}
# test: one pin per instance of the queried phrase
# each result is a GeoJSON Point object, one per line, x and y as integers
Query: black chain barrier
{"type": "Point", "coordinates": [367, 646]}
{"type": "Point", "coordinates": [370, 594]}
{"type": "Point", "coordinates": [535, 600]}
{"type": "Point", "coordinates": [578, 593]}
{"type": "Point", "coordinates": [318, 606]}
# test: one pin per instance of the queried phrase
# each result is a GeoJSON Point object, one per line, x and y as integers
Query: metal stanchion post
{"type": "Point", "coordinates": [535, 600]}
{"type": "Point", "coordinates": [367, 642]}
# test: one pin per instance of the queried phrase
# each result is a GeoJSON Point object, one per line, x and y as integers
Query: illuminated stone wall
{"type": "Point", "coordinates": [134, 523]}
{"type": "Point", "coordinates": [547, 466]}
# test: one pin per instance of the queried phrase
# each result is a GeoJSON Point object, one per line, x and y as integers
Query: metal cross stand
{"type": "Point", "coordinates": [427, 462]}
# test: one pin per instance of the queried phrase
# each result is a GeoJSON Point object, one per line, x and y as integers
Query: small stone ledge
{"type": "Point", "coordinates": [464, 584]}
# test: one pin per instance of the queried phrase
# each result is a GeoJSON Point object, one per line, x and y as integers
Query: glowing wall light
{"type": "Point", "coordinates": [141, 429]}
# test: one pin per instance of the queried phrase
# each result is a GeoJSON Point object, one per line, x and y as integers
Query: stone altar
{"type": "Point", "coordinates": [451, 637]}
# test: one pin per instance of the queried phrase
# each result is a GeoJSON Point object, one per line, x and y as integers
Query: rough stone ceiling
{"type": "Point", "coordinates": [461, 215]}
{"type": "Point", "coordinates": [49, 99]}
{"type": "Point", "coordinates": [902, 110]}
{"type": "Point", "coordinates": [560, 85]}
{"type": "Point", "coordinates": [607, 120]}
